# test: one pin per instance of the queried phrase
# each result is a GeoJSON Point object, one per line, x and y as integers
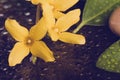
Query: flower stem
{"type": "Point", "coordinates": [34, 58]}
{"type": "Point", "coordinates": [38, 13]}
{"type": "Point", "coordinates": [79, 27]}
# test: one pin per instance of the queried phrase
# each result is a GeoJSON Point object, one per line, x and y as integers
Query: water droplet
{"type": "Point", "coordinates": [42, 74]}
{"type": "Point", "coordinates": [1, 15]}
{"type": "Point", "coordinates": [89, 32]}
{"type": "Point", "coordinates": [108, 62]}
{"type": "Point", "coordinates": [118, 71]}
{"type": "Point", "coordinates": [108, 66]}
{"type": "Point", "coordinates": [96, 36]}
{"type": "Point", "coordinates": [5, 69]}
{"type": "Point", "coordinates": [112, 60]}
{"type": "Point", "coordinates": [98, 20]}
{"type": "Point", "coordinates": [111, 47]}
{"type": "Point", "coordinates": [118, 49]}
{"type": "Point", "coordinates": [108, 77]}
{"type": "Point", "coordinates": [2, 28]}
{"type": "Point", "coordinates": [108, 55]}
{"type": "Point", "coordinates": [104, 56]}
{"type": "Point", "coordinates": [27, 13]}
{"type": "Point", "coordinates": [106, 2]}
{"type": "Point", "coordinates": [112, 66]}
{"type": "Point", "coordinates": [10, 73]}
{"type": "Point", "coordinates": [57, 57]}
{"type": "Point", "coordinates": [113, 52]}
{"type": "Point", "coordinates": [7, 6]}
{"type": "Point", "coordinates": [29, 20]}
{"type": "Point", "coordinates": [18, 4]}
{"type": "Point", "coordinates": [81, 74]}
{"type": "Point", "coordinates": [4, 33]}
{"type": "Point", "coordinates": [64, 52]}
{"type": "Point", "coordinates": [116, 63]}
{"type": "Point", "coordinates": [45, 69]}
{"type": "Point", "coordinates": [21, 78]}
{"type": "Point", "coordinates": [98, 75]}
{"type": "Point", "coordinates": [97, 45]}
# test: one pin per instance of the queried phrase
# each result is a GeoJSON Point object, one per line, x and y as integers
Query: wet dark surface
{"type": "Point", "coordinates": [73, 62]}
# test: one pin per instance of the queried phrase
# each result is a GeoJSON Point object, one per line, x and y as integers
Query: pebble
{"type": "Point", "coordinates": [114, 21]}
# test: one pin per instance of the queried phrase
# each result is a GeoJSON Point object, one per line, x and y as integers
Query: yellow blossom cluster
{"type": "Point", "coordinates": [53, 21]}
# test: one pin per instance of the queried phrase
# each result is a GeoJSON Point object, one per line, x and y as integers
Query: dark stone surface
{"type": "Point", "coordinates": [73, 62]}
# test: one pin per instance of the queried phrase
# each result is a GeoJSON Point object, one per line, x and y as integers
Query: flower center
{"type": "Point", "coordinates": [29, 41]}
{"type": "Point", "coordinates": [56, 29]}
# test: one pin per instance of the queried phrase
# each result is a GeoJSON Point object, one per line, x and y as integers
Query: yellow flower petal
{"type": "Point", "coordinates": [36, 2]}
{"type": "Point", "coordinates": [53, 34]}
{"type": "Point", "coordinates": [50, 1]}
{"type": "Point", "coordinates": [58, 14]}
{"type": "Point", "coordinates": [39, 49]}
{"type": "Point", "coordinates": [41, 1]}
{"type": "Point", "coordinates": [63, 5]}
{"type": "Point", "coordinates": [39, 30]}
{"type": "Point", "coordinates": [66, 21]}
{"type": "Point", "coordinates": [17, 31]}
{"type": "Point", "coordinates": [18, 53]}
{"type": "Point", "coordinates": [48, 14]}
{"type": "Point", "coordinates": [72, 38]}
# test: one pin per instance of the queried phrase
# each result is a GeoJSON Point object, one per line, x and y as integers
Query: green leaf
{"type": "Point", "coordinates": [110, 59]}
{"type": "Point", "coordinates": [97, 12]}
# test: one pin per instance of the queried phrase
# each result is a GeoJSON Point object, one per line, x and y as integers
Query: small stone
{"type": "Point", "coordinates": [114, 21]}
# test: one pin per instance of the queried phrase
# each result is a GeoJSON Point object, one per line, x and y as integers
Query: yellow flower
{"type": "Point", "coordinates": [28, 41]}
{"type": "Point", "coordinates": [59, 6]}
{"type": "Point", "coordinates": [57, 29]}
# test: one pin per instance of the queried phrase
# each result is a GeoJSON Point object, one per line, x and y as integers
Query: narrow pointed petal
{"type": "Point", "coordinates": [63, 5]}
{"type": "Point", "coordinates": [58, 14]}
{"type": "Point", "coordinates": [36, 2]}
{"type": "Point", "coordinates": [66, 21]}
{"type": "Point", "coordinates": [39, 49]}
{"type": "Point", "coordinates": [41, 1]}
{"type": "Point", "coordinates": [50, 1]}
{"type": "Point", "coordinates": [18, 53]}
{"type": "Point", "coordinates": [53, 35]}
{"type": "Point", "coordinates": [48, 14]}
{"type": "Point", "coordinates": [17, 31]}
{"type": "Point", "coordinates": [72, 38]}
{"type": "Point", "coordinates": [39, 30]}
